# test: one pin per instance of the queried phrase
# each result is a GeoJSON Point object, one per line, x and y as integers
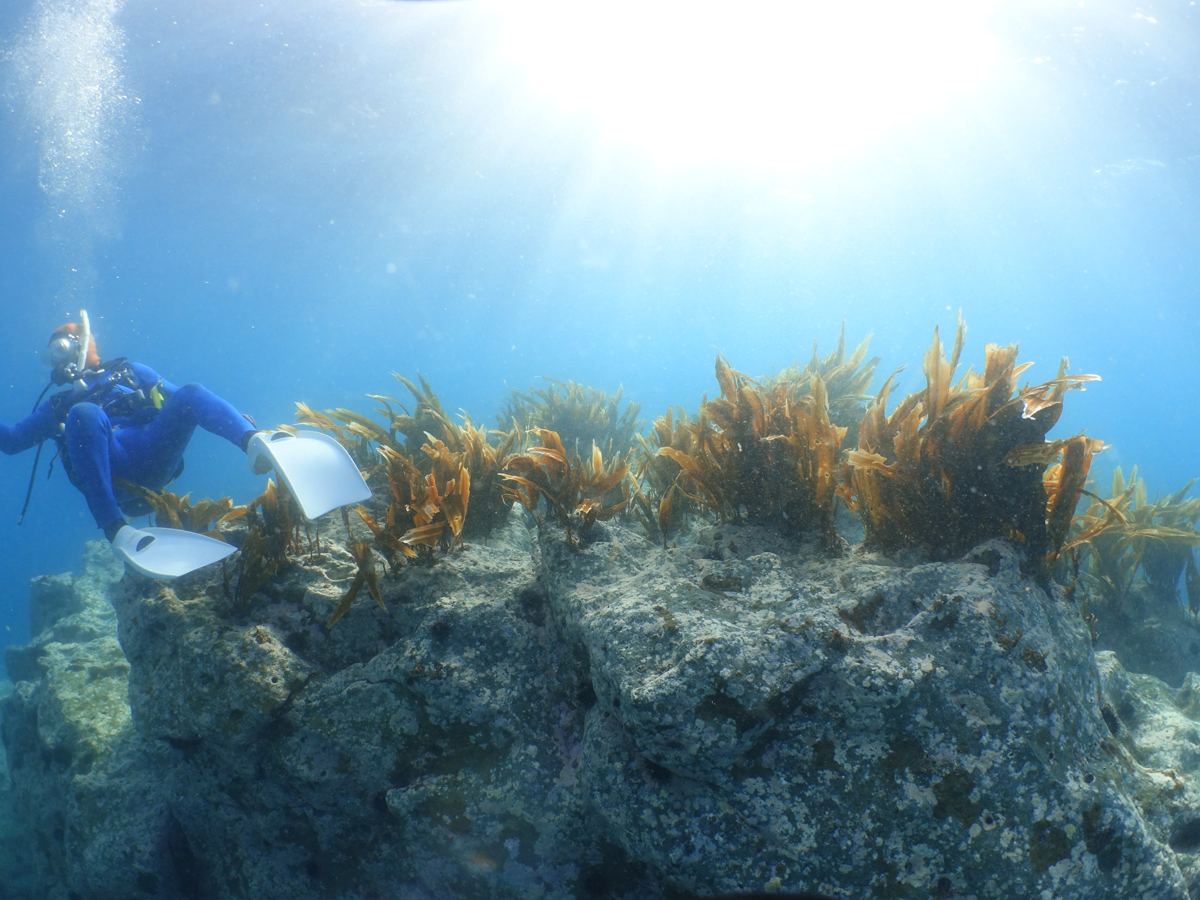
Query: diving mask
{"type": "Point", "coordinates": [61, 352]}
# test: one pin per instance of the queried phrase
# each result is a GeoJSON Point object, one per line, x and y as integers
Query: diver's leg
{"type": "Point", "coordinates": [153, 451]}
{"type": "Point", "coordinates": [92, 452]}
{"type": "Point", "coordinates": [194, 404]}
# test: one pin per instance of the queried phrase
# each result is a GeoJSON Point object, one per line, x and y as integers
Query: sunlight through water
{"type": "Point", "coordinates": [784, 84]}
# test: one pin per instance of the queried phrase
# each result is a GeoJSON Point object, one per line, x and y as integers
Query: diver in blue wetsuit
{"type": "Point", "coordinates": [118, 419]}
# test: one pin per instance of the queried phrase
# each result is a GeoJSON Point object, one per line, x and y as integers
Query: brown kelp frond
{"type": "Point", "coordinates": [425, 509]}
{"type": "Point", "coordinates": [846, 379]}
{"type": "Point", "coordinates": [433, 443]}
{"type": "Point", "coordinates": [658, 503]}
{"type": "Point", "coordinates": [1113, 539]}
{"type": "Point", "coordinates": [761, 454]}
{"type": "Point", "coordinates": [1064, 482]}
{"type": "Point", "coordinates": [366, 575]}
{"type": "Point", "coordinates": [962, 461]}
{"type": "Point", "coordinates": [269, 536]}
{"type": "Point", "coordinates": [427, 417]}
{"type": "Point", "coordinates": [578, 491]}
{"type": "Point", "coordinates": [174, 511]}
{"type": "Point", "coordinates": [580, 415]}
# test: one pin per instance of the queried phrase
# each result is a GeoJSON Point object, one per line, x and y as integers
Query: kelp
{"type": "Point", "coordinates": [425, 510]}
{"type": "Point", "coordinates": [764, 455]}
{"type": "Point", "coordinates": [577, 491]}
{"type": "Point", "coordinates": [366, 575]}
{"type": "Point", "coordinates": [1114, 538]}
{"type": "Point", "coordinates": [937, 472]}
{"type": "Point", "coordinates": [432, 442]}
{"type": "Point", "coordinates": [269, 536]}
{"type": "Point", "coordinates": [846, 379]}
{"type": "Point", "coordinates": [174, 511]}
{"type": "Point", "coordinates": [579, 415]}
{"type": "Point", "coordinates": [655, 499]}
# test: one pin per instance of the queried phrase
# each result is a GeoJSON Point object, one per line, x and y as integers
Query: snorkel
{"type": "Point", "coordinates": [77, 369]}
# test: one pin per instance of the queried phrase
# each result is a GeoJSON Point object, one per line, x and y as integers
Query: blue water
{"type": "Point", "coordinates": [296, 198]}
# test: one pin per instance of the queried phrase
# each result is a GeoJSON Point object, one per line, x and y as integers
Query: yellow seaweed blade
{"type": "Point", "coordinates": [425, 535]}
{"type": "Point", "coordinates": [725, 379]}
{"type": "Point", "coordinates": [868, 461]}
{"type": "Point", "coordinates": [664, 510]}
{"type": "Point", "coordinates": [1034, 454]}
{"type": "Point", "coordinates": [347, 600]}
{"type": "Point", "coordinates": [686, 463]}
{"type": "Point", "coordinates": [937, 376]}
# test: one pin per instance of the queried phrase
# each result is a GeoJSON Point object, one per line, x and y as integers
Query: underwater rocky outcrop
{"type": "Point", "coordinates": [607, 720]}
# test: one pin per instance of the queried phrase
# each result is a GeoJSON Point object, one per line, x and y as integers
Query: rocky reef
{"type": "Point", "coordinates": [603, 718]}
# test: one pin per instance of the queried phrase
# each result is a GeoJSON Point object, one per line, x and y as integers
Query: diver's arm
{"type": "Point", "coordinates": [30, 431]}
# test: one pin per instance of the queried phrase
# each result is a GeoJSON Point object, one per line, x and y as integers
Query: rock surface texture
{"type": "Point", "coordinates": [737, 713]}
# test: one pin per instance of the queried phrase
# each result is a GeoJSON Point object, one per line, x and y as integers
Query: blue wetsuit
{"type": "Point", "coordinates": [114, 433]}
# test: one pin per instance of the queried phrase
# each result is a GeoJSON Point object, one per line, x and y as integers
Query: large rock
{"type": "Point", "coordinates": [619, 720]}
{"type": "Point", "coordinates": [86, 788]}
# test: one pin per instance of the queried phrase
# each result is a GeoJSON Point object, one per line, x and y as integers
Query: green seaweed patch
{"type": "Point", "coordinates": [720, 705]}
{"type": "Point", "coordinates": [953, 794]}
{"type": "Point", "coordinates": [1048, 844]}
{"type": "Point", "coordinates": [824, 756]}
{"type": "Point", "coordinates": [1103, 841]}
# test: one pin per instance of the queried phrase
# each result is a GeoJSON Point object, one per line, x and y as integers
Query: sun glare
{"type": "Point", "coordinates": [767, 83]}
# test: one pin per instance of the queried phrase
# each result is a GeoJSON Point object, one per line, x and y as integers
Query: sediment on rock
{"type": "Point", "coordinates": [528, 718]}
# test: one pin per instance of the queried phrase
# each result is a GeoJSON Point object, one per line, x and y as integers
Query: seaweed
{"type": "Point", "coordinates": [940, 472]}
{"type": "Point", "coordinates": [268, 539]}
{"type": "Point", "coordinates": [661, 506]}
{"type": "Point", "coordinates": [432, 442]}
{"type": "Point", "coordinates": [846, 380]}
{"type": "Point", "coordinates": [353, 431]}
{"type": "Point", "coordinates": [174, 511]}
{"type": "Point", "coordinates": [427, 417]}
{"type": "Point", "coordinates": [579, 415]}
{"type": "Point", "coordinates": [425, 510]}
{"type": "Point", "coordinates": [576, 491]}
{"type": "Point", "coordinates": [366, 574]}
{"type": "Point", "coordinates": [768, 456]}
{"type": "Point", "coordinates": [1114, 538]}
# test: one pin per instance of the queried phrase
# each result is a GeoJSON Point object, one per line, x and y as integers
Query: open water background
{"type": "Point", "coordinates": [288, 200]}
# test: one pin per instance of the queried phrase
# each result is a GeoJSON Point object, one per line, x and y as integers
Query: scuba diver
{"type": "Point", "coordinates": [121, 420]}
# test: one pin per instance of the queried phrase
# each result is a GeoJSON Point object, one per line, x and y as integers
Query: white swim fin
{"type": "Point", "coordinates": [316, 469]}
{"type": "Point", "coordinates": [166, 553]}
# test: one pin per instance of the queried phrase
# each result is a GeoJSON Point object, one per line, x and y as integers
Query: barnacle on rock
{"type": "Point", "coordinates": [937, 473]}
{"type": "Point", "coordinates": [579, 415]}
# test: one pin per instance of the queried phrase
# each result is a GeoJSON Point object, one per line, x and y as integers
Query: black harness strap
{"type": "Point", "coordinates": [118, 371]}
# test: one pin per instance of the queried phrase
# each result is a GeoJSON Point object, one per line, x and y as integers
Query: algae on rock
{"type": "Point", "coordinates": [614, 719]}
